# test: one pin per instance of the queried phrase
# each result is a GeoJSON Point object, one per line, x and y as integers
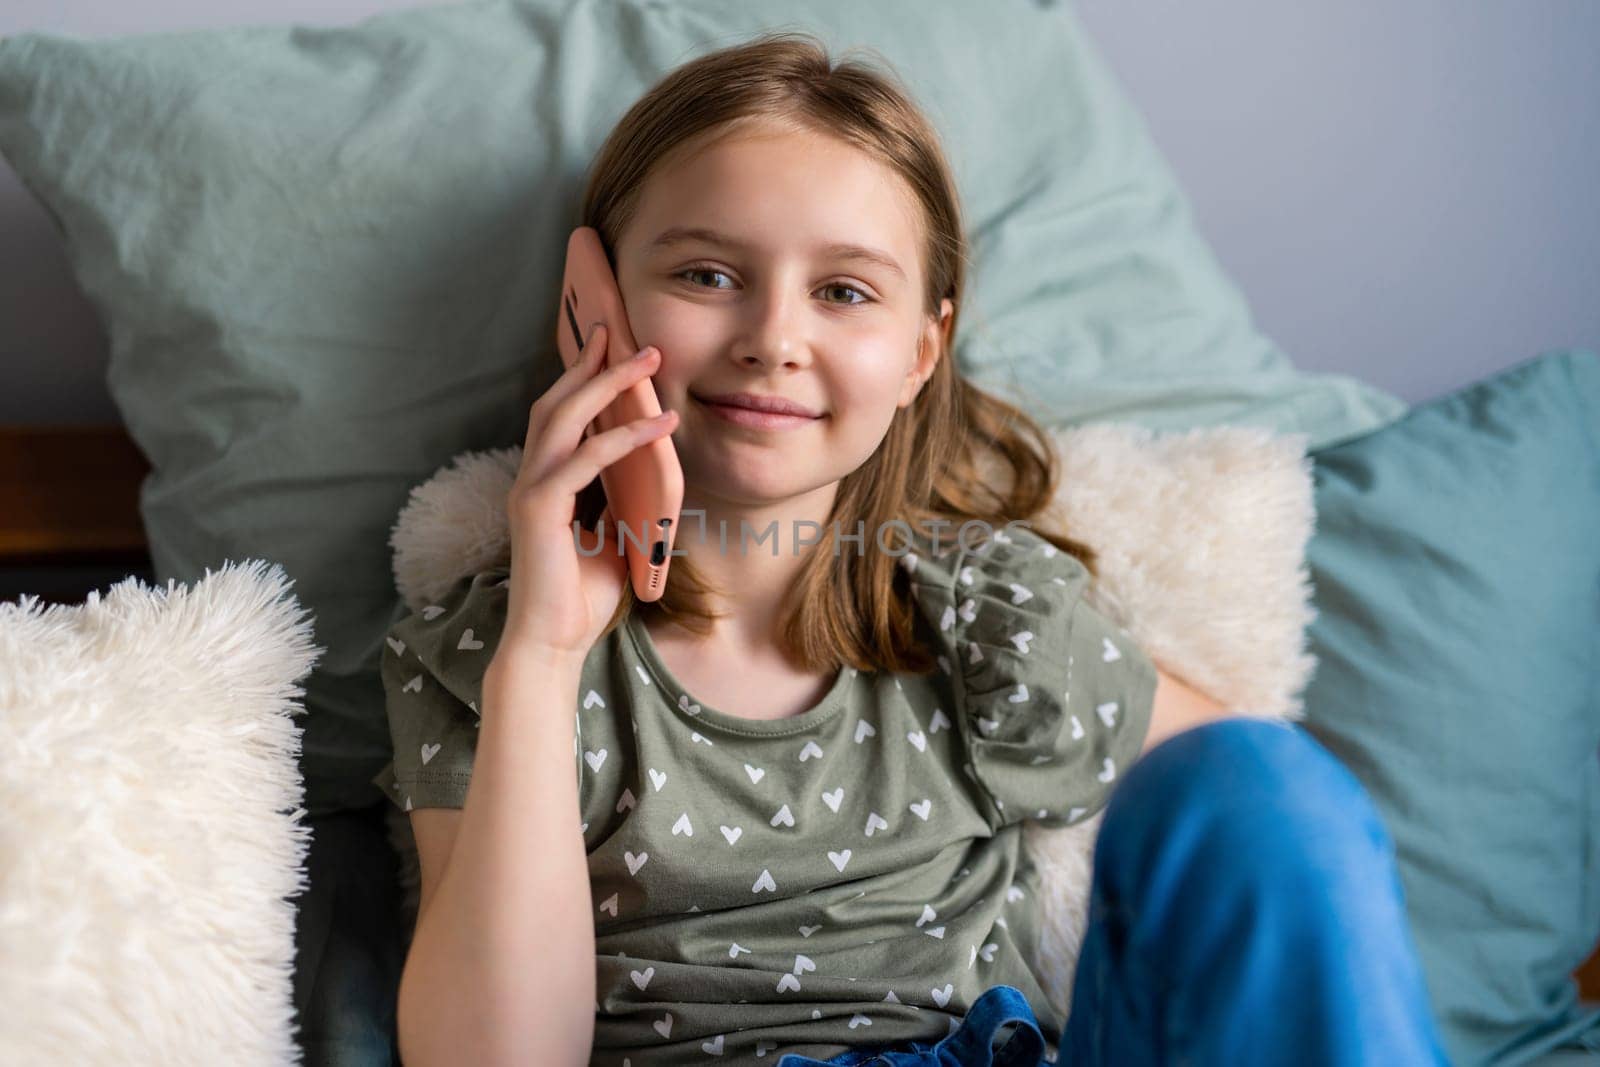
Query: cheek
{"type": "Point", "coordinates": [867, 388]}
{"type": "Point", "coordinates": [671, 325]}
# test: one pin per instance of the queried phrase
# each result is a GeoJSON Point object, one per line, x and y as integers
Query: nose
{"type": "Point", "coordinates": [775, 334]}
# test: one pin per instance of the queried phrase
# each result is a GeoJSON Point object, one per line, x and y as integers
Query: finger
{"type": "Point", "coordinates": [595, 395]}
{"type": "Point", "coordinates": [603, 449]}
{"type": "Point", "coordinates": [590, 360]}
{"type": "Point", "coordinates": [555, 483]}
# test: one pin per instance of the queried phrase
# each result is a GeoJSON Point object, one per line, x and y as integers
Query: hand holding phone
{"type": "Point", "coordinates": [644, 489]}
{"type": "Point", "coordinates": [562, 597]}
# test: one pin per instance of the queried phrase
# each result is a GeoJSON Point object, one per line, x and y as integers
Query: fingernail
{"type": "Point", "coordinates": [645, 353]}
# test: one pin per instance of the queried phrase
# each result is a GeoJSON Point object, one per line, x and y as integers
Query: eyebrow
{"type": "Point", "coordinates": [838, 250]}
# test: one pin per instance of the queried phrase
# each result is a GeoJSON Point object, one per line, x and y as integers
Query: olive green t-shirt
{"type": "Point", "coordinates": [850, 876]}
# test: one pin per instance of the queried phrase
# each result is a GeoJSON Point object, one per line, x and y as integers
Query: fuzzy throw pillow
{"type": "Point", "coordinates": [152, 840]}
{"type": "Point", "coordinates": [1201, 538]}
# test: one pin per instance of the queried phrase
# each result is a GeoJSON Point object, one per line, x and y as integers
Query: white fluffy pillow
{"type": "Point", "coordinates": [152, 841]}
{"type": "Point", "coordinates": [1201, 539]}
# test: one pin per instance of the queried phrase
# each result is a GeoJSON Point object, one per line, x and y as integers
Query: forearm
{"type": "Point", "coordinates": [501, 967]}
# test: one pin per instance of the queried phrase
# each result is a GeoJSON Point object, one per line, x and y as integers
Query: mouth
{"type": "Point", "coordinates": [754, 417]}
{"type": "Point", "coordinates": [777, 405]}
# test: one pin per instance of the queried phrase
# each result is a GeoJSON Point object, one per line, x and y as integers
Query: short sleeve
{"type": "Point", "coordinates": [1053, 698]}
{"type": "Point", "coordinates": [432, 665]}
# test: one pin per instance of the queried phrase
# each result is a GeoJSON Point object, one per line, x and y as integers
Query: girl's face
{"type": "Point", "coordinates": [774, 310]}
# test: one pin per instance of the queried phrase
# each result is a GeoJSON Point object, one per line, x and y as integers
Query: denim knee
{"type": "Point", "coordinates": [1243, 788]}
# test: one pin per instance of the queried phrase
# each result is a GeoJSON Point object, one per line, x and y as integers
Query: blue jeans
{"type": "Point", "coordinates": [1245, 909]}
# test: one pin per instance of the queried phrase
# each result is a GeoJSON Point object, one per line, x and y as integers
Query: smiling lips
{"type": "Point", "coordinates": [755, 412]}
{"type": "Point", "coordinates": [756, 402]}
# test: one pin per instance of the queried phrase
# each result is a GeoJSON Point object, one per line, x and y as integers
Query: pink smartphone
{"type": "Point", "coordinates": [644, 489]}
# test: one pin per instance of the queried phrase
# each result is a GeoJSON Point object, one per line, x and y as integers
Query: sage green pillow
{"type": "Point", "coordinates": [328, 259]}
{"type": "Point", "coordinates": [1456, 566]}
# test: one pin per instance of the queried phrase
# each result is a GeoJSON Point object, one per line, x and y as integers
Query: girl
{"type": "Point", "coordinates": [801, 776]}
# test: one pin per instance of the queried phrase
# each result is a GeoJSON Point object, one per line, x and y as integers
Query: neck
{"type": "Point", "coordinates": [749, 553]}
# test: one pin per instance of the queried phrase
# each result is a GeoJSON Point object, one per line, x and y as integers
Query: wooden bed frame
{"type": "Point", "coordinates": [69, 497]}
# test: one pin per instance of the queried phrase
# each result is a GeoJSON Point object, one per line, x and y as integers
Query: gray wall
{"type": "Point", "coordinates": [1405, 191]}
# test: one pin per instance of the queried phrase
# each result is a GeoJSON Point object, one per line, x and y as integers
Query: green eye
{"type": "Point", "coordinates": [703, 269]}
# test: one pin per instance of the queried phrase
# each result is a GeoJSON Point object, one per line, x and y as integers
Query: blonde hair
{"type": "Point", "coordinates": [934, 458]}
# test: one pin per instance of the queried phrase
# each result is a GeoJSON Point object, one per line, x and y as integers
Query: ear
{"type": "Point", "coordinates": [933, 340]}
